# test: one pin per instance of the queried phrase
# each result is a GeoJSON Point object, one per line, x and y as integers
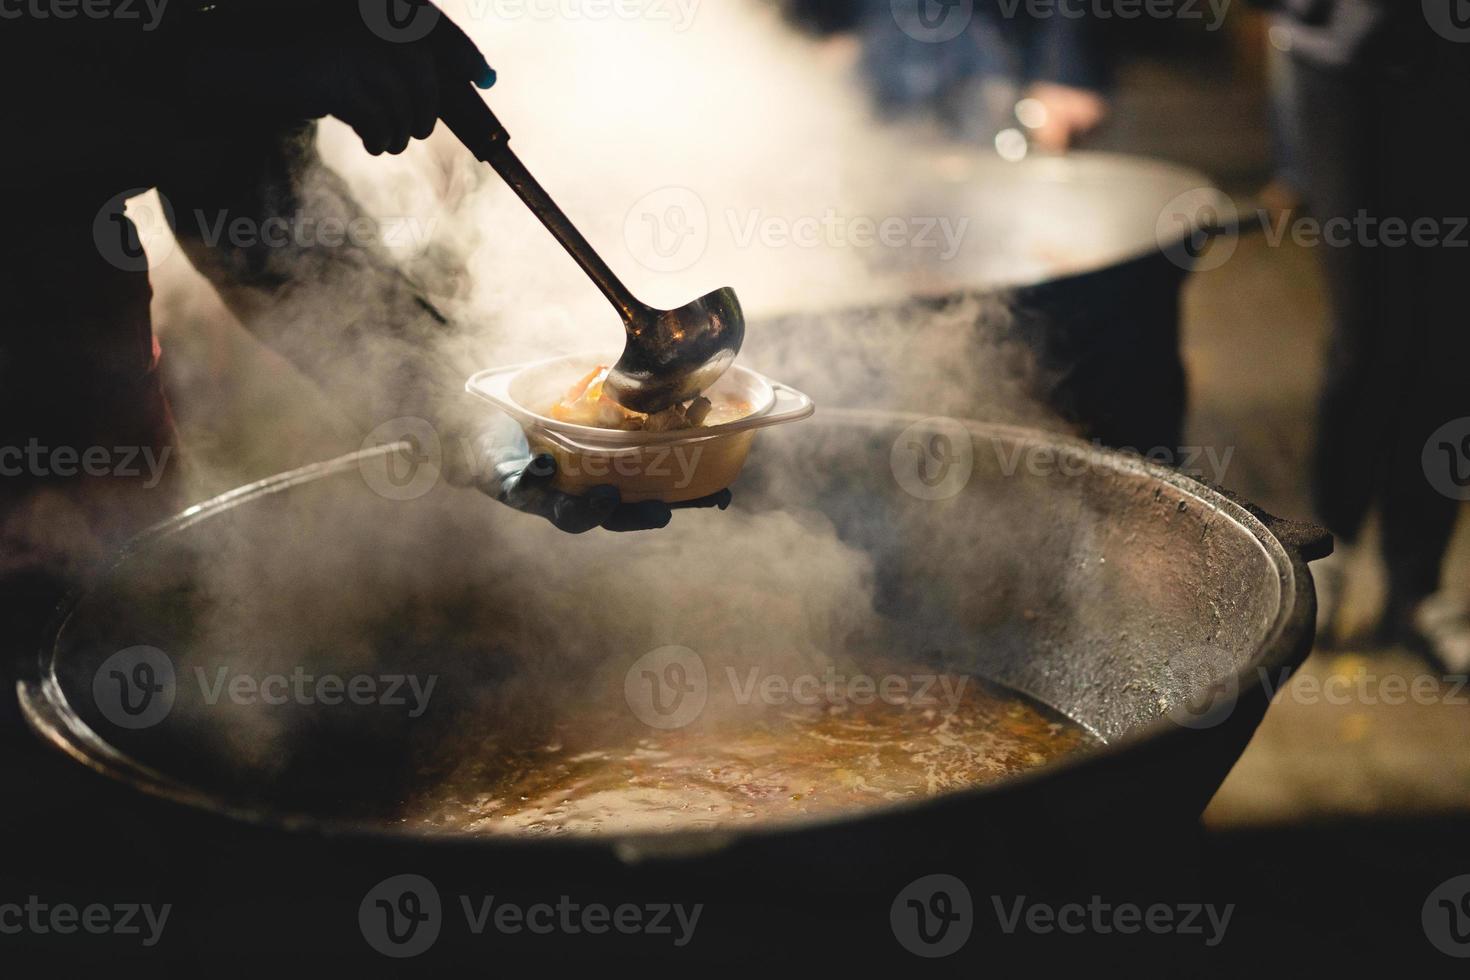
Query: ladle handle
{"type": "Point", "coordinates": [472, 121]}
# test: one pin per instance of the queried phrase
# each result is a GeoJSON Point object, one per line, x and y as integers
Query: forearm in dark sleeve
{"type": "Point", "coordinates": [1068, 49]}
{"type": "Point", "coordinates": [333, 301]}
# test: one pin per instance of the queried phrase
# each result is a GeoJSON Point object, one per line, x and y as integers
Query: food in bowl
{"type": "Point", "coordinates": [587, 403]}
{"type": "Point", "coordinates": [668, 457]}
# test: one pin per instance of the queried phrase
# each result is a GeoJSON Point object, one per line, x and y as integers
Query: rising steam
{"type": "Point", "coordinates": [729, 130]}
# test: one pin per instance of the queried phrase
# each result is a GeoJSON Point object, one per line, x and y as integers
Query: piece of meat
{"type": "Point", "coordinates": [585, 403]}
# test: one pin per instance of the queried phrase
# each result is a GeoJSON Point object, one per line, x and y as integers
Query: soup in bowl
{"type": "Point", "coordinates": [684, 453]}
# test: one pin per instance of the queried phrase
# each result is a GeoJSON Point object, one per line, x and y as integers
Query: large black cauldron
{"type": "Point", "coordinates": [1067, 277]}
{"type": "Point", "coordinates": [1144, 605]}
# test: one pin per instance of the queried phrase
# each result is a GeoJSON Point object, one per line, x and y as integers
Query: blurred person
{"type": "Point", "coordinates": [964, 66]}
{"type": "Point", "coordinates": [214, 105]}
{"type": "Point", "coordinates": [1376, 116]}
{"type": "Point", "coordinates": [971, 82]}
{"type": "Point", "coordinates": [1282, 193]}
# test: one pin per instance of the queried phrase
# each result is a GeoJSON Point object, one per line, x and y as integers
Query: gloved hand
{"type": "Point", "coordinates": [498, 462]}
{"type": "Point", "coordinates": [378, 65]}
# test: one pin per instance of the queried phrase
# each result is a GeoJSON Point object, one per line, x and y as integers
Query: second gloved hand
{"type": "Point", "coordinates": [500, 464]}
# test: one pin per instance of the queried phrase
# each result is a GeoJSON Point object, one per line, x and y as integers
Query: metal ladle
{"type": "Point", "coordinates": [670, 356]}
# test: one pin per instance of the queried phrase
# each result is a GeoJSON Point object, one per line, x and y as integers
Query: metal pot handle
{"type": "Point", "coordinates": [1312, 541]}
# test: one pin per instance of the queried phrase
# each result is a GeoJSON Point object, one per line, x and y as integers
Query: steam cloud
{"type": "Point", "coordinates": [739, 124]}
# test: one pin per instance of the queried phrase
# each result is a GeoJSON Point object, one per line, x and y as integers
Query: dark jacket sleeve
{"type": "Point", "coordinates": [1068, 48]}
{"type": "Point", "coordinates": [315, 278]}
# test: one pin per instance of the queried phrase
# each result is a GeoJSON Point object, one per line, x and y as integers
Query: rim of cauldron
{"type": "Point", "coordinates": [1289, 544]}
{"type": "Point", "coordinates": [1101, 169]}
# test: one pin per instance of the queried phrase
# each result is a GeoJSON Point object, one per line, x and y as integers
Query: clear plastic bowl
{"type": "Point", "coordinates": [669, 466]}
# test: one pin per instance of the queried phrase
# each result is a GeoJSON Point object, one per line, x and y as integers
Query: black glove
{"type": "Point", "coordinates": [378, 65]}
{"type": "Point", "coordinates": [501, 465]}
